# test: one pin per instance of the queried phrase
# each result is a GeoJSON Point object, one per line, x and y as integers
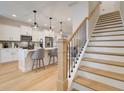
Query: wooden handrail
{"type": "Point", "coordinates": [87, 18]}
{"type": "Point", "coordinates": [77, 29]}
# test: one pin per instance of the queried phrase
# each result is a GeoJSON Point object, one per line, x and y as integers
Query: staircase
{"type": "Point", "coordinates": [102, 67]}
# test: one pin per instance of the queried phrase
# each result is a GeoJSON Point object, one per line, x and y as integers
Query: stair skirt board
{"type": "Point", "coordinates": [101, 49]}
{"type": "Point", "coordinates": [102, 79]}
{"type": "Point", "coordinates": [103, 67]}
{"type": "Point", "coordinates": [104, 43]}
{"type": "Point", "coordinates": [108, 33]}
{"type": "Point", "coordinates": [80, 87]}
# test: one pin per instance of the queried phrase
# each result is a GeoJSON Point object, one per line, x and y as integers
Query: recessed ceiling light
{"type": "Point", "coordinates": [13, 15]}
{"type": "Point", "coordinates": [45, 24]}
{"type": "Point", "coordinates": [29, 20]}
{"type": "Point", "coordinates": [69, 19]}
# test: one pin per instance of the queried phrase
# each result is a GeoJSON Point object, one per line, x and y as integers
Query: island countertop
{"type": "Point", "coordinates": [25, 60]}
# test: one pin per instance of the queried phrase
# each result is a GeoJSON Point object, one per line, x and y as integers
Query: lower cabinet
{"type": "Point", "coordinates": [8, 55]}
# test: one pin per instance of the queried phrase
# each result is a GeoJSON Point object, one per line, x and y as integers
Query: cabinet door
{"type": "Point", "coordinates": [9, 33]}
{"type": "Point", "coordinates": [5, 55]}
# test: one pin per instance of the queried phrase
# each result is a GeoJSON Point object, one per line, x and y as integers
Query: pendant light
{"type": "Point", "coordinates": [61, 31]}
{"type": "Point", "coordinates": [35, 25]}
{"type": "Point", "coordinates": [50, 20]}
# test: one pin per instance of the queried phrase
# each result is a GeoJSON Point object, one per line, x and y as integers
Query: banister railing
{"type": "Point", "coordinates": [77, 42]}
{"type": "Point", "coordinates": [70, 50]}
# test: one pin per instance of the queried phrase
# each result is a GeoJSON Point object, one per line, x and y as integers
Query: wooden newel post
{"type": "Point", "coordinates": [62, 83]}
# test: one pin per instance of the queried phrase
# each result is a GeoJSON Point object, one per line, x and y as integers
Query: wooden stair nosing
{"type": "Point", "coordinates": [105, 53]}
{"type": "Point", "coordinates": [101, 61]}
{"type": "Point", "coordinates": [95, 85]}
{"type": "Point", "coordinates": [108, 27]}
{"type": "Point", "coordinates": [106, 46]}
{"type": "Point", "coordinates": [104, 73]}
{"type": "Point", "coordinates": [108, 24]}
{"type": "Point", "coordinates": [99, 23]}
{"type": "Point", "coordinates": [109, 35]}
{"type": "Point", "coordinates": [108, 31]}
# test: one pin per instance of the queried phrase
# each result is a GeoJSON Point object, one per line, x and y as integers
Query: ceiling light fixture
{"type": "Point", "coordinates": [13, 15]}
{"type": "Point", "coordinates": [35, 24]}
{"type": "Point", "coordinates": [50, 20]}
{"type": "Point", "coordinates": [69, 19]}
{"type": "Point", "coordinates": [45, 24]}
{"type": "Point", "coordinates": [61, 31]}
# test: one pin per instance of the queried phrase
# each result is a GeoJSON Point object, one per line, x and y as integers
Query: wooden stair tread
{"type": "Point", "coordinates": [108, 27]}
{"type": "Point", "coordinates": [98, 23]}
{"type": "Point", "coordinates": [106, 46]}
{"type": "Point", "coordinates": [106, 40]}
{"type": "Point", "coordinates": [101, 61]}
{"type": "Point", "coordinates": [108, 31]}
{"type": "Point", "coordinates": [110, 24]}
{"type": "Point", "coordinates": [95, 85]}
{"type": "Point", "coordinates": [105, 53]}
{"type": "Point", "coordinates": [109, 35]}
{"type": "Point", "coordinates": [110, 19]}
{"type": "Point", "coordinates": [104, 73]}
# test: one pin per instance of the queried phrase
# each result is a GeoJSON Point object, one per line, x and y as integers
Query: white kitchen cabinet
{"type": "Point", "coordinates": [25, 30]}
{"type": "Point", "coordinates": [11, 33]}
{"type": "Point", "coordinates": [8, 55]}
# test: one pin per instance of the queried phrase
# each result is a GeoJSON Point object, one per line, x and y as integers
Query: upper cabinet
{"type": "Point", "coordinates": [10, 33]}
{"type": "Point", "coordinates": [26, 30]}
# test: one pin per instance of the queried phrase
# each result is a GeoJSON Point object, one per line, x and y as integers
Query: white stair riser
{"type": "Point", "coordinates": [105, 57]}
{"type": "Point", "coordinates": [102, 79]}
{"type": "Point", "coordinates": [108, 26]}
{"type": "Point", "coordinates": [80, 87]}
{"type": "Point", "coordinates": [108, 38]}
{"type": "Point", "coordinates": [108, 33]}
{"type": "Point", "coordinates": [102, 49]}
{"type": "Point", "coordinates": [110, 29]}
{"type": "Point", "coordinates": [107, 43]}
{"type": "Point", "coordinates": [103, 67]}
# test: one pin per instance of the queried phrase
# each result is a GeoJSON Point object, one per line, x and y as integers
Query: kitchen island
{"type": "Point", "coordinates": [25, 60]}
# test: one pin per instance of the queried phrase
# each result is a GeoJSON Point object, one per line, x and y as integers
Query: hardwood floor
{"type": "Point", "coordinates": [13, 79]}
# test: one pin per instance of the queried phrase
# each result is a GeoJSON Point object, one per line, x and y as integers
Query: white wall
{"type": "Point", "coordinates": [79, 12]}
{"type": "Point", "coordinates": [109, 6]}
{"type": "Point", "coordinates": [122, 9]}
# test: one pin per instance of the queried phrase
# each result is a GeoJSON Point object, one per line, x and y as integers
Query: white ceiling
{"type": "Point", "coordinates": [59, 10]}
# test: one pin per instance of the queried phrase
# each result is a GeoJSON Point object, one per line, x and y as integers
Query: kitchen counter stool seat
{"type": "Point", "coordinates": [36, 57]}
